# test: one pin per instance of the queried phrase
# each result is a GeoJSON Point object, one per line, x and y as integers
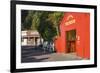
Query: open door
{"type": "Point", "coordinates": [71, 41]}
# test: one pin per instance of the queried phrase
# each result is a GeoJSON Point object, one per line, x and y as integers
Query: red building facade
{"type": "Point", "coordinates": [74, 34]}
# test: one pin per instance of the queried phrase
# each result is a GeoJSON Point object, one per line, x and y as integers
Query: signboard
{"type": "Point", "coordinates": [70, 20]}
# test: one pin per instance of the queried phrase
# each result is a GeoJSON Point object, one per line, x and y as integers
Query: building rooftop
{"type": "Point", "coordinates": [30, 33]}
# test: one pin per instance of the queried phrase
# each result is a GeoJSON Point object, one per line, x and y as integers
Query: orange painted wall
{"type": "Point", "coordinates": [82, 26]}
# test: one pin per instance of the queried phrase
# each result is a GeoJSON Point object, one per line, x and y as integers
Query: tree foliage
{"type": "Point", "coordinates": [45, 22]}
{"type": "Point", "coordinates": [55, 18]}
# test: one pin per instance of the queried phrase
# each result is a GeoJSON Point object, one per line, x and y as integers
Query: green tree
{"type": "Point", "coordinates": [26, 25]}
{"type": "Point", "coordinates": [45, 22]}
{"type": "Point", "coordinates": [55, 18]}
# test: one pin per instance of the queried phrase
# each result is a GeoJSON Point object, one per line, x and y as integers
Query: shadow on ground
{"type": "Point", "coordinates": [28, 53]}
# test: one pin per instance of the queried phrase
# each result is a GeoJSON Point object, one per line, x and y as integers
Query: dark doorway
{"type": "Point", "coordinates": [71, 41]}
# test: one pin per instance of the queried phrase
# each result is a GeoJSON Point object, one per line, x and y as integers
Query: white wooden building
{"type": "Point", "coordinates": [30, 38]}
